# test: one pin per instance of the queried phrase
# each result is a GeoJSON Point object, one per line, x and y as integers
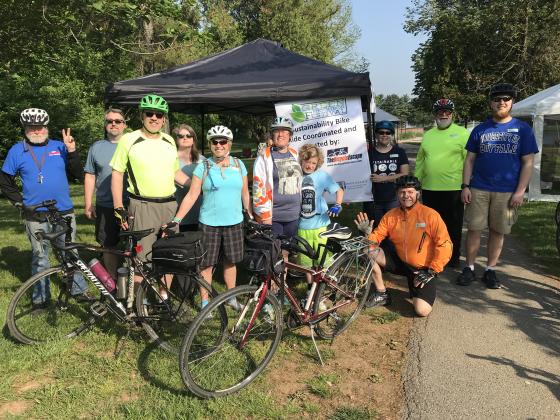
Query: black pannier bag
{"type": "Point", "coordinates": [179, 253]}
{"type": "Point", "coordinates": [263, 254]}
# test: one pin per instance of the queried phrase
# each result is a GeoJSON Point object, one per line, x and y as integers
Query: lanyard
{"type": "Point", "coordinates": [39, 165]}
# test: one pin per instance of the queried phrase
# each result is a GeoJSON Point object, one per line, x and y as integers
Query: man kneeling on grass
{"type": "Point", "coordinates": [421, 249]}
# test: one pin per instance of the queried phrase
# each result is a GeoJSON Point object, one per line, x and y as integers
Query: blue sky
{"type": "Point", "coordinates": [385, 44]}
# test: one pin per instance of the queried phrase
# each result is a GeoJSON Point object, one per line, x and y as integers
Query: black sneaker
{"type": "Point", "coordinates": [337, 231]}
{"type": "Point", "coordinates": [39, 308]}
{"type": "Point", "coordinates": [376, 298]}
{"type": "Point", "coordinates": [466, 277]}
{"type": "Point", "coordinates": [491, 280]}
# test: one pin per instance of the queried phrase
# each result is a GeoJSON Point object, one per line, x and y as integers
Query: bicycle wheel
{"type": "Point", "coordinates": [166, 322]}
{"type": "Point", "coordinates": [557, 214]}
{"type": "Point", "coordinates": [352, 274]}
{"type": "Point", "coordinates": [63, 316]}
{"type": "Point", "coordinates": [216, 361]}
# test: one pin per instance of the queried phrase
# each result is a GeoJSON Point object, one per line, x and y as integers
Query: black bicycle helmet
{"type": "Point", "coordinates": [443, 104]}
{"type": "Point", "coordinates": [408, 181]}
{"type": "Point", "coordinates": [502, 89]}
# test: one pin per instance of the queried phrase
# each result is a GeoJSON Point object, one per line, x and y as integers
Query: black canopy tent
{"type": "Point", "coordinates": [246, 79]}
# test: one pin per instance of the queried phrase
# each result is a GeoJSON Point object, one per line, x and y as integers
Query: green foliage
{"type": "Point", "coordinates": [473, 45]}
{"type": "Point", "coordinates": [405, 108]}
{"type": "Point", "coordinates": [61, 54]}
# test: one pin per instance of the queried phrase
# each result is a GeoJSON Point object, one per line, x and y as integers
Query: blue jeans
{"type": "Point", "coordinates": [40, 259]}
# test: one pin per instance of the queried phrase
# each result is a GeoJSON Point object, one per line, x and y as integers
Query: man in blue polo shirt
{"type": "Point", "coordinates": [42, 165]}
{"type": "Point", "coordinates": [496, 172]}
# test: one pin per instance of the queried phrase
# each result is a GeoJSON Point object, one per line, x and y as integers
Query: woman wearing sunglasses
{"type": "Point", "coordinates": [388, 163]}
{"type": "Point", "coordinates": [223, 181]}
{"type": "Point", "coordinates": [189, 158]}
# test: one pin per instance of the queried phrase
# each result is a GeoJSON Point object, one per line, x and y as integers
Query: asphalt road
{"type": "Point", "coordinates": [488, 354]}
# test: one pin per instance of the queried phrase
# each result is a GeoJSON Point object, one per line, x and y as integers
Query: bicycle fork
{"type": "Point", "coordinates": [259, 296]}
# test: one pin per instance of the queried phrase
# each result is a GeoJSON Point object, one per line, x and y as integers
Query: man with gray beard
{"type": "Point", "coordinates": [42, 165]}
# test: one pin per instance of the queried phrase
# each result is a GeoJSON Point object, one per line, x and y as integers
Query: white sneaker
{"type": "Point", "coordinates": [233, 303]}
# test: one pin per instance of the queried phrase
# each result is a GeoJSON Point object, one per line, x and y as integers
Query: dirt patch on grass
{"type": "Point", "coordinates": [362, 369]}
{"type": "Point", "coordinates": [14, 408]}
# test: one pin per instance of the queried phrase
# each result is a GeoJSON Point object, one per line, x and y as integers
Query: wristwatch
{"type": "Point", "coordinates": [463, 186]}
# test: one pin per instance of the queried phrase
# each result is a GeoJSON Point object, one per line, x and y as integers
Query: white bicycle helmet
{"type": "Point", "coordinates": [34, 116]}
{"type": "Point", "coordinates": [281, 122]}
{"type": "Point", "coordinates": [219, 131]}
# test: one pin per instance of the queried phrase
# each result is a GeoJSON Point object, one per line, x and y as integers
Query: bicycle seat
{"type": "Point", "coordinates": [336, 231]}
{"type": "Point", "coordinates": [137, 235]}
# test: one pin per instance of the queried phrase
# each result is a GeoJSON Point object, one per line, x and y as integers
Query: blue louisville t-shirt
{"type": "Point", "coordinates": [54, 185]}
{"type": "Point", "coordinates": [313, 205]}
{"type": "Point", "coordinates": [221, 199]}
{"type": "Point", "coordinates": [499, 148]}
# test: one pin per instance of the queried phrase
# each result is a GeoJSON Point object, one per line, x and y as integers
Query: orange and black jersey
{"type": "Point", "coordinates": [419, 235]}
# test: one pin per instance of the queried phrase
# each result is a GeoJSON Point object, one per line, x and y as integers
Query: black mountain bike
{"type": "Point", "coordinates": [66, 315]}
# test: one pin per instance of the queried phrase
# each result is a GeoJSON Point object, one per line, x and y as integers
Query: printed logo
{"type": "Point", "coordinates": [421, 225]}
{"type": "Point", "coordinates": [54, 153]}
{"type": "Point", "coordinates": [315, 110]}
{"type": "Point", "coordinates": [340, 156]}
{"type": "Point", "coordinates": [393, 167]}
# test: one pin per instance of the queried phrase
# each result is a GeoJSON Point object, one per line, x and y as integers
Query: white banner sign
{"type": "Point", "coordinates": [337, 127]}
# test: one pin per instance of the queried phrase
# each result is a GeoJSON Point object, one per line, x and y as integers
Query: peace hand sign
{"type": "Point", "coordinates": [68, 140]}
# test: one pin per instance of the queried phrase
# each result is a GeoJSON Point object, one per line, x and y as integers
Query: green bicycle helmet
{"type": "Point", "coordinates": [155, 103]}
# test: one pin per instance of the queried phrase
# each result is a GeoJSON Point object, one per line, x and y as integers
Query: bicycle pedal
{"type": "Point", "coordinates": [98, 309]}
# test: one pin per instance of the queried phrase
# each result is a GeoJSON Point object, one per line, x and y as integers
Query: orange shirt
{"type": "Point", "coordinates": [419, 235]}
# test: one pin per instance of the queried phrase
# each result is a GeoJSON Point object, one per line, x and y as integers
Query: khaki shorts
{"type": "Point", "coordinates": [490, 210]}
{"type": "Point", "coordinates": [148, 215]}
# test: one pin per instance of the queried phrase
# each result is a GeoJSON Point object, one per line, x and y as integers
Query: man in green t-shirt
{"type": "Point", "coordinates": [149, 157]}
{"type": "Point", "coordinates": [439, 167]}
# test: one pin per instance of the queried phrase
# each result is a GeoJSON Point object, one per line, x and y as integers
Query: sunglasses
{"type": "Point", "coordinates": [499, 99]}
{"type": "Point", "coordinates": [150, 114]}
{"type": "Point", "coordinates": [109, 122]}
{"type": "Point", "coordinates": [384, 133]}
{"type": "Point", "coordinates": [221, 142]}
{"type": "Point", "coordinates": [184, 136]}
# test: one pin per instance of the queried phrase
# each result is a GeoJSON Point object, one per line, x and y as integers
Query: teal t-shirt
{"type": "Point", "coordinates": [313, 205]}
{"type": "Point", "coordinates": [221, 188]}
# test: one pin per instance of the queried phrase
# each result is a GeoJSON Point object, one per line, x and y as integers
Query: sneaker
{"type": "Point", "coordinates": [491, 280]}
{"type": "Point", "coordinates": [39, 308]}
{"type": "Point", "coordinates": [84, 297]}
{"type": "Point", "coordinates": [376, 298]}
{"type": "Point", "coordinates": [335, 230]}
{"type": "Point", "coordinates": [233, 303]}
{"type": "Point", "coordinates": [466, 277]}
{"type": "Point", "coordinates": [270, 316]}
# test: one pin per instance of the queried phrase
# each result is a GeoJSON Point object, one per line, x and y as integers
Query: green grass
{"type": "Point", "coordinates": [536, 230]}
{"type": "Point", "coordinates": [353, 413]}
{"type": "Point", "coordinates": [323, 386]}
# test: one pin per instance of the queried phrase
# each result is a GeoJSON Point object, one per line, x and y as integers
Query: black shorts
{"type": "Point", "coordinates": [395, 265]}
{"type": "Point", "coordinates": [227, 238]}
{"type": "Point", "coordinates": [106, 227]}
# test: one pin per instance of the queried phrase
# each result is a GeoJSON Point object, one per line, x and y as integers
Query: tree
{"type": "Point", "coordinates": [473, 44]}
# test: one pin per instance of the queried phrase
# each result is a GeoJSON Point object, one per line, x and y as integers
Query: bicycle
{"type": "Point", "coordinates": [66, 315]}
{"type": "Point", "coordinates": [225, 350]}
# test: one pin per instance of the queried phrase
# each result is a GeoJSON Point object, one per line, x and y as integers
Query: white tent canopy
{"type": "Point", "coordinates": [543, 108]}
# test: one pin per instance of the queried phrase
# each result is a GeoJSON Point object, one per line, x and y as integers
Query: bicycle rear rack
{"type": "Point", "coordinates": [357, 243]}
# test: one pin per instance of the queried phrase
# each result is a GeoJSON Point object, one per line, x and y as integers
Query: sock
{"type": "Point", "coordinates": [203, 303]}
{"type": "Point", "coordinates": [490, 268]}
{"type": "Point", "coordinates": [471, 266]}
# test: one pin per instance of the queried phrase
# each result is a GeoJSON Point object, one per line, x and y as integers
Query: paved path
{"type": "Point", "coordinates": [488, 354]}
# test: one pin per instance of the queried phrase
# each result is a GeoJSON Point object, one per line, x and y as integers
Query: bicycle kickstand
{"type": "Point", "coordinates": [312, 328]}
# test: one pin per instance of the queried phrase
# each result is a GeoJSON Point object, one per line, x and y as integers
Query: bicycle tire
{"type": "Point", "coordinates": [166, 323]}
{"type": "Point", "coordinates": [558, 239]}
{"type": "Point", "coordinates": [353, 276]}
{"type": "Point", "coordinates": [557, 214]}
{"type": "Point", "coordinates": [211, 362]}
{"type": "Point", "coordinates": [60, 318]}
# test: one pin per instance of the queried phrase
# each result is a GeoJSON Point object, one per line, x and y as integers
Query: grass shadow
{"type": "Point", "coordinates": [11, 259]}
{"type": "Point", "coordinates": [151, 355]}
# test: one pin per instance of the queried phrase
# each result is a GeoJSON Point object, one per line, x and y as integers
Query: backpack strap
{"type": "Point", "coordinates": [129, 168]}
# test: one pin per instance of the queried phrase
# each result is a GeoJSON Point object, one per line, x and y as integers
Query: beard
{"type": "Point", "coordinates": [37, 138]}
{"type": "Point", "coordinates": [443, 123]}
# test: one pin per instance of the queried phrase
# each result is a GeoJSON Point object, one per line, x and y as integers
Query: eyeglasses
{"type": "Point", "coordinates": [221, 142]}
{"type": "Point", "coordinates": [109, 122]}
{"type": "Point", "coordinates": [444, 112]}
{"type": "Point", "coordinates": [184, 136]}
{"type": "Point", "coordinates": [499, 99]}
{"type": "Point", "coordinates": [384, 132]}
{"type": "Point", "coordinates": [150, 114]}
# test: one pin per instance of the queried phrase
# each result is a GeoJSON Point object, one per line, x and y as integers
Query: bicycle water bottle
{"type": "Point", "coordinates": [102, 274]}
{"type": "Point", "coordinates": [122, 279]}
